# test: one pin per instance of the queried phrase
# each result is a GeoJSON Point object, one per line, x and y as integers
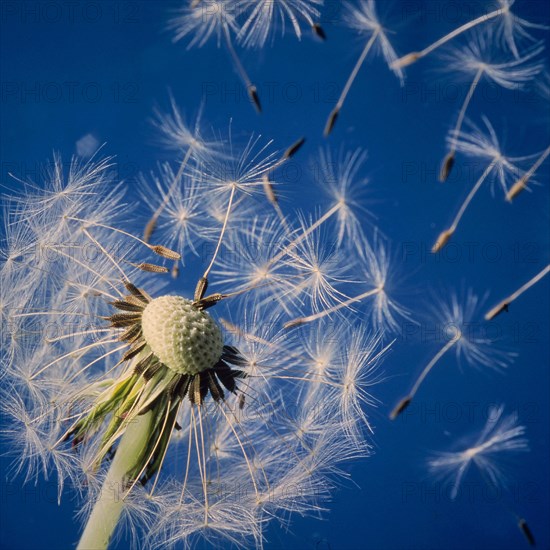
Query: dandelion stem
{"type": "Point", "coordinates": [332, 117]}
{"type": "Point", "coordinates": [108, 507]}
{"type": "Point", "coordinates": [415, 56]}
{"type": "Point", "coordinates": [503, 305]}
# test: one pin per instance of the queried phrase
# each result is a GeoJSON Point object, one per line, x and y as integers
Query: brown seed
{"type": "Point", "coordinates": [125, 306]}
{"type": "Point", "coordinates": [165, 252]}
{"type": "Point", "coordinates": [202, 285]}
{"type": "Point", "coordinates": [152, 268]}
{"type": "Point", "coordinates": [119, 320]}
{"type": "Point", "coordinates": [137, 292]}
{"type": "Point", "coordinates": [408, 59]}
{"type": "Point", "coordinates": [209, 301]}
{"type": "Point", "coordinates": [268, 189]}
{"type": "Point", "coordinates": [318, 31]}
{"type": "Point", "coordinates": [331, 121]}
{"type": "Point", "coordinates": [528, 534]}
{"type": "Point", "coordinates": [446, 167]}
{"type": "Point", "coordinates": [135, 300]}
{"type": "Point", "coordinates": [253, 93]}
{"type": "Point", "coordinates": [442, 240]}
{"type": "Point", "coordinates": [516, 189]}
{"type": "Point", "coordinates": [294, 148]}
{"type": "Point", "coordinates": [400, 407]}
{"type": "Point", "coordinates": [293, 323]}
{"type": "Point", "coordinates": [499, 308]}
{"type": "Point", "coordinates": [133, 351]}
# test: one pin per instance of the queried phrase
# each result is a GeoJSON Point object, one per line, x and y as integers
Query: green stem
{"type": "Point", "coordinates": [108, 508]}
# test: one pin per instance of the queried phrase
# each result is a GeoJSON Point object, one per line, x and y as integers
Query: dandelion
{"type": "Point", "coordinates": [214, 18]}
{"type": "Point", "coordinates": [364, 20]}
{"type": "Point", "coordinates": [485, 147]}
{"type": "Point", "coordinates": [457, 326]}
{"type": "Point", "coordinates": [506, 26]}
{"type": "Point", "coordinates": [475, 59]}
{"type": "Point", "coordinates": [500, 435]}
{"type": "Point", "coordinates": [170, 425]}
{"type": "Point", "coordinates": [265, 15]}
{"type": "Point", "coordinates": [504, 304]}
{"type": "Point", "coordinates": [522, 182]}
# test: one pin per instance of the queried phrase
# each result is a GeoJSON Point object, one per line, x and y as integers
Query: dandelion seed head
{"type": "Point", "coordinates": [238, 413]}
{"type": "Point", "coordinates": [183, 338]}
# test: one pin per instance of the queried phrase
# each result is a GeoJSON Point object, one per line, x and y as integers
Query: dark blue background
{"type": "Point", "coordinates": [101, 67]}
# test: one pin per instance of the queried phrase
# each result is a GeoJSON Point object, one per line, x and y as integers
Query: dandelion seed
{"type": "Point", "coordinates": [383, 310]}
{"type": "Point", "coordinates": [214, 18]}
{"type": "Point", "coordinates": [364, 20]}
{"type": "Point", "coordinates": [501, 434]}
{"type": "Point", "coordinates": [476, 59]}
{"type": "Point", "coordinates": [266, 15]}
{"type": "Point", "coordinates": [506, 27]}
{"type": "Point", "coordinates": [503, 306]}
{"type": "Point", "coordinates": [458, 328]}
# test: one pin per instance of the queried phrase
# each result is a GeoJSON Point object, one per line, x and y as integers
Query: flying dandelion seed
{"type": "Point", "coordinates": [508, 28]}
{"type": "Point", "coordinates": [464, 336]}
{"type": "Point", "coordinates": [364, 20]}
{"type": "Point", "coordinates": [216, 18]}
{"type": "Point", "coordinates": [500, 435]}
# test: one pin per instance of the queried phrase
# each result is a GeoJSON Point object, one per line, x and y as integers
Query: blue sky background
{"type": "Point", "coordinates": [88, 67]}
